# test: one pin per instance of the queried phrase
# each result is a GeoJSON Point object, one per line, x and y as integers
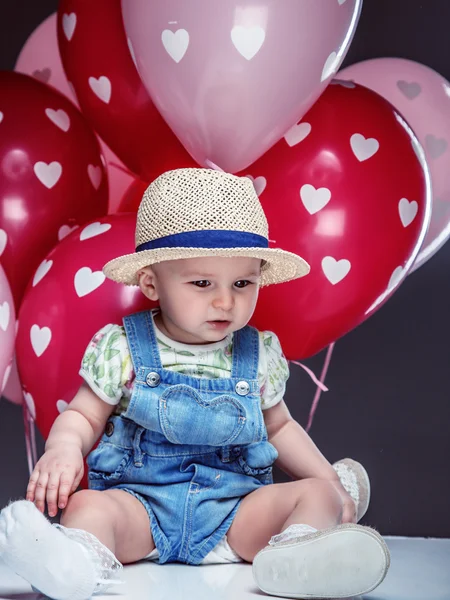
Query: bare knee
{"type": "Point", "coordinates": [320, 492]}
{"type": "Point", "coordinates": [96, 502]}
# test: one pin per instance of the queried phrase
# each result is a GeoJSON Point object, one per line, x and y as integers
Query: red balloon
{"type": "Point", "coordinates": [69, 300]}
{"type": "Point", "coordinates": [132, 196]}
{"type": "Point", "coordinates": [51, 175]}
{"type": "Point", "coordinates": [347, 189]}
{"type": "Point", "coordinates": [98, 63]}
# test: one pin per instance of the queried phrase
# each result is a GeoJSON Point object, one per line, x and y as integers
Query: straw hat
{"type": "Point", "coordinates": [189, 213]}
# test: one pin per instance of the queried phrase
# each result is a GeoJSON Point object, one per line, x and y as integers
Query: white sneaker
{"type": "Point", "coordinates": [344, 561]}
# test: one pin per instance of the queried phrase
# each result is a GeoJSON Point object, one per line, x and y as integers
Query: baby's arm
{"type": "Point", "coordinates": [298, 456]}
{"type": "Point", "coordinates": [58, 472]}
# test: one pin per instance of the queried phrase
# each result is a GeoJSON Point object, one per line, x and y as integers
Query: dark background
{"type": "Point", "coordinates": [388, 404]}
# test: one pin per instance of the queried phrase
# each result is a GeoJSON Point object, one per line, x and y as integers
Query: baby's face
{"type": "Point", "coordinates": [204, 299]}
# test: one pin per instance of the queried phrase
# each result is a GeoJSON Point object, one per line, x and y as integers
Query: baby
{"type": "Point", "coordinates": [188, 400]}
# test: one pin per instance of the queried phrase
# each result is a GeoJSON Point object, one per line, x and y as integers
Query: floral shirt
{"type": "Point", "coordinates": [107, 367]}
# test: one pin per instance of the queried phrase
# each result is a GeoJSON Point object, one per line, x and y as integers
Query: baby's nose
{"type": "Point", "coordinates": [224, 299]}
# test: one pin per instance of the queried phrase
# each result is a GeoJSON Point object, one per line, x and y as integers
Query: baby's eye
{"type": "Point", "coordinates": [242, 283]}
{"type": "Point", "coordinates": [202, 283]}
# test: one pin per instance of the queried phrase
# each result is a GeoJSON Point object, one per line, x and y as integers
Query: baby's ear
{"type": "Point", "coordinates": [146, 278]}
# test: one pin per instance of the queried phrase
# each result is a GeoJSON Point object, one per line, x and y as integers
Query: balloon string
{"type": "Point", "coordinates": [319, 384]}
{"type": "Point", "coordinates": [321, 387]}
{"type": "Point", "coordinates": [30, 438]}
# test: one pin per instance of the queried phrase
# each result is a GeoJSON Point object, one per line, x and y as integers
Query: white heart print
{"type": "Point", "coordinates": [248, 40]}
{"type": "Point", "coordinates": [408, 211]}
{"type": "Point", "coordinates": [101, 88]}
{"type": "Point", "coordinates": [48, 174]}
{"type": "Point", "coordinates": [94, 229]}
{"type": "Point", "coordinates": [409, 89]}
{"type": "Point", "coordinates": [314, 199]}
{"type": "Point", "coordinates": [175, 43]}
{"type": "Point", "coordinates": [42, 271]}
{"type": "Point", "coordinates": [259, 183]}
{"type": "Point", "coordinates": [65, 230]}
{"type": "Point", "coordinates": [61, 406]}
{"type": "Point", "coordinates": [29, 402]}
{"type": "Point", "coordinates": [330, 67]}
{"type": "Point", "coordinates": [72, 89]}
{"type": "Point", "coordinates": [86, 281]}
{"type": "Point", "coordinates": [3, 240]}
{"type": "Point", "coordinates": [335, 270]}
{"type": "Point", "coordinates": [363, 148]}
{"type": "Point", "coordinates": [59, 117]}
{"type": "Point", "coordinates": [297, 133]}
{"type": "Point", "coordinates": [95, 175]}
{"type": "Point", "coordinates": [69, 23]}
{"type": "Point", "coordinates": [436, 146]}
{"type": "Point", "coordinates": [1, 116]}
{"type": "Point", "coordinates": [40, 339]}
{"type": "Point", "coordinates": [5, 313]}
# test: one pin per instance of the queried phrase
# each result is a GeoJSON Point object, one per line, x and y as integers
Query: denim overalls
{"type": "Point", "coordinates": [188, 448]}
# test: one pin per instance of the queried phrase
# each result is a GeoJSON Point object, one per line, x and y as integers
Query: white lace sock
{"type": "Point", "coordinates": [64, 564]}
{"type": "Point", "coordinates": [292, 532]}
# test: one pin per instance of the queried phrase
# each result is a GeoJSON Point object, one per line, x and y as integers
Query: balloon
{"type": "Point", "coordinates": [40, 58]}
{"type": "Point", "coordinates": [51, 175]}
{"type": "Point", "coordinates": [97, 61]}
{"type": "Point", "coordinates": [422, 96]}
{"type": "Point", "coordinates": [130, 203]}
{"type": "Point", "coordinates": [348, 189]}
{"type": "Point", "coordinates": [119, 177]}
{"type": "Point", "coordinates": [133, 196]}
{"type": "Point", "coordinates": [69, 302]}
{"type": "Point", "coordinates": [231, 77]}
{"type": "Point", "coordinates": [7, 329]}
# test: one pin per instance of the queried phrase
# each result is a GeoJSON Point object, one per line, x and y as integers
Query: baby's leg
{"type": "Point", "coordinates": [116, 518]}
{"type": "Point", "coordinates": [324, 560]}
{"type": "Point", "coordinates": [69, 563]}
{"type": "Point", "coordinates": [270, 509]}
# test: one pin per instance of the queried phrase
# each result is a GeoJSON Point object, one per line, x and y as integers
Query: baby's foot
{"type": "Point", "coordinates": [54, 564]}
{"type": "Point", "coordinates": [356, 482]}
{"type": "Point", "coordinates": [345, 561]}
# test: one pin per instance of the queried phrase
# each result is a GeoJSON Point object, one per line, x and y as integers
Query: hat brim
{"type": "Point", "coordinates": [279, 266]}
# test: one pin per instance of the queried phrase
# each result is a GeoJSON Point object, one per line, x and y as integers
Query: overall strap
{"type": "Point", "coordinates": [245, 353]}
{"type": "Point", "coordinates": [142, 340]}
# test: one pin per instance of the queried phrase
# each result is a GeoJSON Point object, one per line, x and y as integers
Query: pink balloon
{"type": "Point", "coordinates": [422, 96]}
{"type": "Point", "coordinates": [231, 77]}
{"type": "Point", "coordinates": [40, 58]}
{"type": "Point", "coordinates": [7, 329]}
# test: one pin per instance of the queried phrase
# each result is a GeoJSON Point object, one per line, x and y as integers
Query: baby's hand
{"type": "Point", "coordinates": [56, 475]}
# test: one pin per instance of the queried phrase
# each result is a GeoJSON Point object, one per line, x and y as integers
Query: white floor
{"type": "Point", "coordinates": [420, 570]}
